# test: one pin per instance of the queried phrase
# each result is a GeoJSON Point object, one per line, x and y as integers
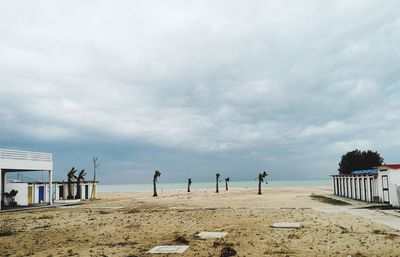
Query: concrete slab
{"type": "Point", "coordinates": [374, 215]}
{"type": "Point", "coordinates": [169, 249]}
{"type": "Point", "coordinates": [206, 235]}
{"type": "Point", "coordinates": [295, 225]}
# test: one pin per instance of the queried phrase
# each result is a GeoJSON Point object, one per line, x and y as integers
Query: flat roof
{"type": "Point", "coordinates": [390, 166]}
{"type": "Point", "coordinates": [17, 160]}
{"type": "Point", "coordinates": [370, 171]}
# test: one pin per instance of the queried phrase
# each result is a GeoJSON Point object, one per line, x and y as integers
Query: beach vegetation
{"type": "Point", "coordinates": [45, 217]}
{"type": "Point", "coordinates": [226, 183]}
{"type": "Point", "coordinates": [359, 160]}
{"type": "Point", "coordinates": [328, 200]}
{"type": "Point", "coordinates": [71, 177]}
{"type": "Point", "coordinates": [217, 180]}
{"type": "Point", "coordinates": [261, 179]}
{"type": "Point", "coordinates": [80, 178]}
{"type": "Point", "coordinates": [157, 174]}
{"type": "Point", "coordinates": [189, 184]}
{"type": "Point", "coordinates": [6, 228]}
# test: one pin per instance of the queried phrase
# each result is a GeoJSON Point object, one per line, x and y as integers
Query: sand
{"type": "Point", "coordinates": [130, 224]}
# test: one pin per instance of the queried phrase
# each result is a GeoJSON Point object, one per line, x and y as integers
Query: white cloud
{"type": "Point", "coordinates": [226, 77]}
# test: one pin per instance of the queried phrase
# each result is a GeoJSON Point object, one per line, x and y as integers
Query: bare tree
{"type": "Point", "coordinates": [95, 168]}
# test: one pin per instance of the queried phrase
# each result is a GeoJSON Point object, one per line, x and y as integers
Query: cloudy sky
{"type": "Point", "coordinates": [196, 87]}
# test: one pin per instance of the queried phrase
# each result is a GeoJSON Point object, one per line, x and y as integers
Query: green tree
{"type": "Point", "coordinates": [359, 160]}
{"type": "Point", "coordinates": [79, 180]}
{"type": "Point", "coordinates": [71, 177]}
{"type": "Point", "coordinates": [261, 178]}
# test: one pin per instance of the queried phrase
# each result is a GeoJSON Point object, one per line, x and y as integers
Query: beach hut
{"type": "Point", "coordinates": [380, 184]}
{"type": "Point", "coordinates": [87, 186]}
{"type": "Point", "coordinates": [40, 192]}
{"type": "Point", "coordinates": [12, 161]}
{"type": "Point", "coordinates": [59, 191]}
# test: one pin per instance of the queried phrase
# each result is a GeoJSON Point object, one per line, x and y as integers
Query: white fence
{"type": "Point", "coordinates": [25, 155]}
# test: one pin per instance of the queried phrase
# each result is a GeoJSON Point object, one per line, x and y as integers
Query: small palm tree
{"type": "Point", "coordinates": [79, 179]}
{"type": "Point", "coordinates": [217, 176]}
{"type": "Point", "coordinates": [189, 184]}
{"type": "Point", "coordinates": [71, 177]}
{"type": "Point", "coordinates": [226, 183]}
{"type": "Point", "coordinates": [261, 179]}
{"type": "Point", "coordinates": [157, 174]}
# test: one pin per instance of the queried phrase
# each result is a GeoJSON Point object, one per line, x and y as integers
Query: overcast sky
{"type": "Point", "coordinates": [198, 87]}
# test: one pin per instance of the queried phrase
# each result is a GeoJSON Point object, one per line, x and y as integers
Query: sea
{"type": "Point", "coordinates": [197, 186]}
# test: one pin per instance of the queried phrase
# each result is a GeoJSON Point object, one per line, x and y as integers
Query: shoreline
{"type": "Point", "coordinates": [212, 190]}
{"type": "Point", "coordinates": [201, 186]}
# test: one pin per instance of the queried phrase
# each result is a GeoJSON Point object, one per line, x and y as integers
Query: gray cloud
{"type": "Point", "coordinates": [198, 87]}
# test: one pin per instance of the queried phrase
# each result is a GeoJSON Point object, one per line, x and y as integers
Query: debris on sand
{"type": "Point", "coordinates": [228, 251]}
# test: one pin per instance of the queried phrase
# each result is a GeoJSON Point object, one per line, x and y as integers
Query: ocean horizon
{"type": "Point", "coordinates": [176, 186]}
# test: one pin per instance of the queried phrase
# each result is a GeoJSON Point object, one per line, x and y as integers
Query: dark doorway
{"type": "Point", "coordinates": [370, 190]}
{"type": "Point", "coordinates": [365, 189]}
{"type": "Point", "coordinates": [61, 192]}
{"type": "Point", "coordinates": [351, 187]}
{"type": "Point", "coordinates": [355, 189]}
{"type": "Point", "coordinates": [41, 194]}
{"type": "Point", "coordinates": [86, 191]}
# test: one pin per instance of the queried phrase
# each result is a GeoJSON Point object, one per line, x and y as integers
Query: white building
{"type": "Point", "coordinates": [22, 161]}
{"type": "Point", "coordinates": [88, 190]}
{"type": "Point", "coordinates": [380, 184]}
{"type": "Point", "coordinates": [43, 192]}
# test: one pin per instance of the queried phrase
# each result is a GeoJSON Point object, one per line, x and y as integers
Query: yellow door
{"type": "Point", "coordinates": [94, 191]}
{"type": "Point", "coordinates": [30, 195]}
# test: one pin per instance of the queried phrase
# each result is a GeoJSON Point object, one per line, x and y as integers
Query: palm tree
{"type": "Point", "coordinates": [226, 183]}
{"type": "Point", "coordinates": [189, 184]}
{"type": "Point", "coordinates": [261, 178]}
{"type": "Point", "coordinates": [157, 174]}
{"type": "Point", "coordinates": [71, 176]}
{"type": "Point", "coordinates": [217, 176]}
{"type": "Point", "coordinates": [79, 179]}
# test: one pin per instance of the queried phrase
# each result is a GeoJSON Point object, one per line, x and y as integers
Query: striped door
{"type": "Point", "coordinates": [385, 188]}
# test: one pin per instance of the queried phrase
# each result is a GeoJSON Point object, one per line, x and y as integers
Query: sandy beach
{"type": "Point", "coordinates": [130, 224]}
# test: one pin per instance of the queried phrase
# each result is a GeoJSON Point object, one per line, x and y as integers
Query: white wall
{"type": "Point", "coordinates": [394, 182]}
{"type": "Point", "coordinates": [36, 187]}
{"type": "Point", "coordinates": [22, 196]}
{"type": "Point", "coordinates": [75, 188]}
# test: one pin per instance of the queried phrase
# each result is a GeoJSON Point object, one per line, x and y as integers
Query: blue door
{"type": "Point", "coordinates": [41, 194]}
